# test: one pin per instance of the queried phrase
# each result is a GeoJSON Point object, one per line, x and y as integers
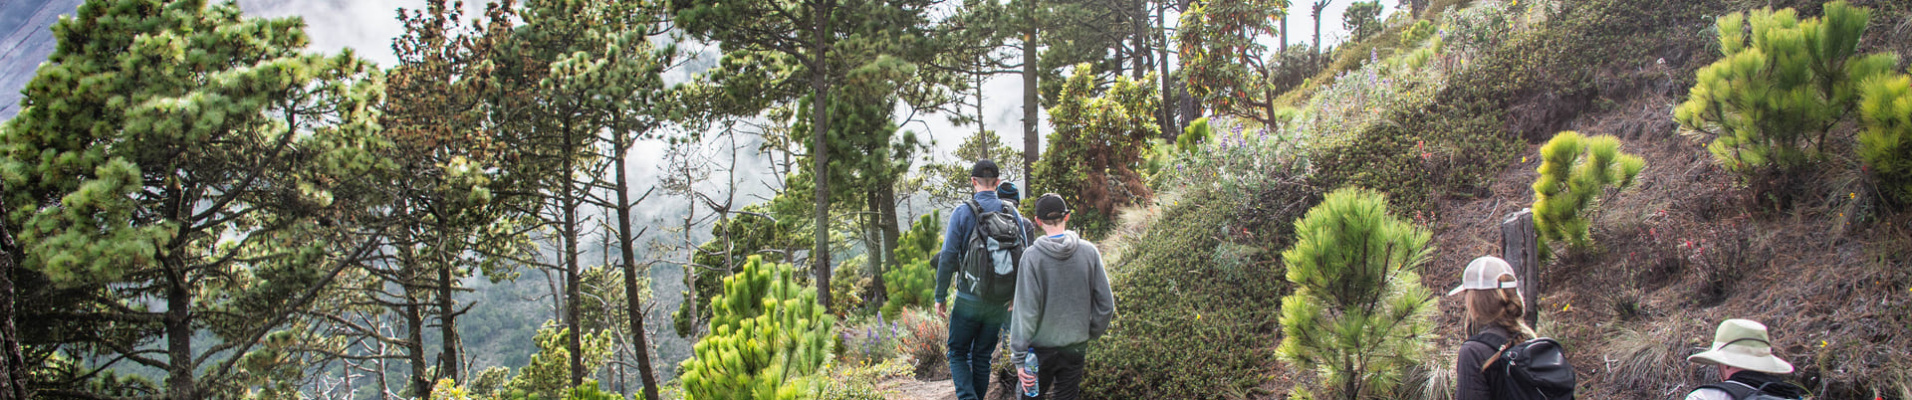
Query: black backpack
{"type": "Point", "coordinates": [1764, 391]}
{"type": "Point", "coordinates": [990, 258]}
{"type": "Point", "coordinates": [1534, 369]}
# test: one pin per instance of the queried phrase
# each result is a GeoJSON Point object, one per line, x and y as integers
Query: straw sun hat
{"type": "Point", "coordinates": [1743, 344]}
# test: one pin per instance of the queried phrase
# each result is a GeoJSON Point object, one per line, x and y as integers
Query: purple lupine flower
{"type": "Point", "coordinates": [1373, 56]}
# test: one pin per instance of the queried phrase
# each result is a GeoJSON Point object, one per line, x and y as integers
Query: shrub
{"type": "Point", "coordinates": [913, 282]}
{"type": "Point", "coordinates": [548, 374]}
{"type": "Point", "coordinates": [1421, 30]}
{"type": "Point", "coordinates": [768, 338]}
{"type": "Point", "coordinates": [1779, 87]}
{"type": "Point", "coordinates": [1095, 154]}
{"type": "Point", "coordinates": [870, 342]}
{"type": "Point", "coordinates": [1193, 136]}
{"type": "Point", "coordinates": [1198, 291]}
{"type": "Point", "coordinates": [1574, 170]}
{"type": "Point", "coordinates": [847, 281]}
{"type": "Point", "coordinates": [924, 341]}
{"type": "Point", "coordinates": [1359, 315]}
{"type": "Point", "coordinates": [1886, 143]}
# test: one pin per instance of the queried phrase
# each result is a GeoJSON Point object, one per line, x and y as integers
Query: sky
{"type": "Point", "coordinates": [367, 26]}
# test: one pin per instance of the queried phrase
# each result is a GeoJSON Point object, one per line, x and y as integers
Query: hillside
{"type": "Point", "coordinates": [1686, 247]}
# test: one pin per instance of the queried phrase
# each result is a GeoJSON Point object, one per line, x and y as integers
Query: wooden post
{"type": "Point", "coordinates": [1520, 246]}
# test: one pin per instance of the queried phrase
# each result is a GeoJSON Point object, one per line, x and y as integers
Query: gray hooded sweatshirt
{"type": "Point", "coordinates": [1062, 295]}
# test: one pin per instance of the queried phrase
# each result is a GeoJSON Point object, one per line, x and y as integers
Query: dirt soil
{"type": "Point", "coordinates": [908, 388]}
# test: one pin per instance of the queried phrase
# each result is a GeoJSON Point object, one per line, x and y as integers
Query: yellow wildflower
{"type": "Point", "coordinates": [1823, 343]}
{"type": "Point", "coordinates": [1568, 307]}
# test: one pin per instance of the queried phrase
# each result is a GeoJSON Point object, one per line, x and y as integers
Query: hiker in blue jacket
{"type": "Point", "coordinates": [974, 323]}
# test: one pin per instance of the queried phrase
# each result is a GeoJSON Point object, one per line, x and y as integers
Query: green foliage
{"type": "Point", "coordinates": [191, 158]}
{"type": "Point", "coordinates": [548, 375]}
{"type": "Point", "coordinates": [912, 284]}
{"type": "Point", "coordinates": [1193, 135]}
{"type": "Point", "coordinates": [1574, 170]}
{"type": "Point", "coordinates": [1362, 18]}
{"type": "Point", "coordinates": [768, 338]}
{"type": "Point", "coordinates": [1225, 65]}
{"type": "Point", "coordinates": [1779, 87]}
{"type": "Point", "coordinates": [1095, 154]}
{"type": "Point", "coordinates": [1415, 34]}
{"type": "Point", "coordinates": [1359, 315]}
{"type": "Point", "coordinates": [1199, 288]}
{"type": "Point", "coordinates": [1886, 144]}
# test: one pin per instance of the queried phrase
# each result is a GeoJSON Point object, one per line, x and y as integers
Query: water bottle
{"type": "Point", "coordinates": [1029, 364]}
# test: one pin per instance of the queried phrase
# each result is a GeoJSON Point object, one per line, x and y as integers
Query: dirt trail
{"type": "Point", "coordinates": [908, 388]}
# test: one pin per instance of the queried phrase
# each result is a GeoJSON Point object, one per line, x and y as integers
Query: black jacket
{"type": "Point", "coordinates": [1472, 383]}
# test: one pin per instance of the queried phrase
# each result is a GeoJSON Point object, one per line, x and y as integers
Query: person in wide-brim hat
{"type": "Point", "coordinates": [1744, 355]}
{"type": "Point", "coordinates": [1743, 344]}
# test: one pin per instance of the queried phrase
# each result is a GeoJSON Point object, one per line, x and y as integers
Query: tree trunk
{"type": "Point", "coordinates": [634, 305]}
{"type": "Point", "coordinates": [419, 384]}
{"type": "Point", "coordinates": [879, 251]}
{"type": "Point", "coordinates": [886, 199]}
{"type": "Point", "coordinates": [1315, 59]}
{"type": "Point", "coordinates": [13, 370]}
{"type": "Point", "coordinates": [447, 323]}
{"type": "Point", "coordinates": [571, 278]}
{"type": "Point", "coordinates": [1520, 247]}
{"type": "Point", "coordinates": [1139, 17]}
{"type": "Point", "coordinates": [1170, 128]}
{"type": "Point", "coordinates": [820, 113]}
{"type": "Point", "coordinates": [1031, 143]}
{"type": "Point", "coordinates": [179, 332]}
{"type": "Point", "coordinates": [415, 338]}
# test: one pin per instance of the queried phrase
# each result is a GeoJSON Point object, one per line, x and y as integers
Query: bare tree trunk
{"type": "Point", "coordinates": [879, 251]}
{"type": "Point", "coordinates": [447, 324]}
{"type": "Point", "coordinates": [13, 370]}
{"type": "Point", "coordinates": [419, 382]}
{"type": "Point", "coordinates": [1171, 127]}
{"type": "Point", "coordinates": [571, 275]}
{"type": "Point", "coordinates": [820, 113]}
{"type": "Point", "coordinates": [633, 303]}
{"type": "Point", "coordinates": [1319, 6]}
{"type": "Point", "coordinates": [1031, 143]}
{"type": "Point", "coordinates": [886, 201]}
{"type": "Point", "coordinates": [1139, 17]}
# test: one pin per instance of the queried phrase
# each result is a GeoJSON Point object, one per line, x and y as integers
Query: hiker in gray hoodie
{"type": "Point", "coordinates": [1062, 302]}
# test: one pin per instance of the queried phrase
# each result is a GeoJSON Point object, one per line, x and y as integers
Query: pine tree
{"type": "Point", "coordinates": [547, 375]}
{"type": "Point", "coordinates": [179, 152]}
{"type": "Point", "coordinates": [1779, 87]}
{"type": "Point", "coordinates": [1574, 170]}
{"type": "Point", "coordinates": [768, 339]}
{"type": "Point", "coordinates": [1886, 143]}
{"type": "Point", "coordinates": [1359, 315]}
{"type": "Point", "coordinates": [912, 284]}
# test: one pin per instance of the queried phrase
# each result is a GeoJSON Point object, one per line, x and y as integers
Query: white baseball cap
{"type": "Point", "coordinates": [1485, 273]}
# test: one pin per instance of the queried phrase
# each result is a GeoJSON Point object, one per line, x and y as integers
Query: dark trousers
{"type": "Point", "coordinates": [974, 328]}
{"type": "Point", "coordinates": [1059, 372]}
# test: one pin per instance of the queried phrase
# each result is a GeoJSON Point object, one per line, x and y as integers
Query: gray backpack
{"type": "Point", "coordinates": [989, 258]}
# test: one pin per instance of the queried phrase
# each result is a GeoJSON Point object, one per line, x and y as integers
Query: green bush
{"type": "Point", "coordinates": [1574, 170]}
{"type": "Point", "coordinates": [913, 283]}
{"type": "Point", "coordinates": [1094, 157]}
{"type": "Point", "coordinates": [1886, 143]}
{"type": "Point", "coordinates": [1421, 30]}
{"type": "Point", "coordinates": [768, 338]}
{"type": "Point", "coordinates": [1359, 316]}
{"type": "Point", "coordinates": [1780, 86]}
{"type": "Point", "coordinates": [548, 374]}
{"type": "Point", "coordinates": [1192, 136]}
{"type": "Point", "coordinates": [1197, 292]}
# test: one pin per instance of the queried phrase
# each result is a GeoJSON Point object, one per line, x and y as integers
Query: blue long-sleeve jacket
{"type": "Point", "coordinates": [956, 235]}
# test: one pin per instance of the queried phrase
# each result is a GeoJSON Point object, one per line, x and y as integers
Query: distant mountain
{"type": "Point", "coordinates": [25, 41]}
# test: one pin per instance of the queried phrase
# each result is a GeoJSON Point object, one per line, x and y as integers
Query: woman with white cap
{"type": "Point", "coordinates": [1747, 366]}
{"type": "Point", "coordinates": [1492, 298]}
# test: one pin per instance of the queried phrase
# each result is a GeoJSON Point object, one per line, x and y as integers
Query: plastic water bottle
{"type": "Point", "coordinates": [1029, 364]}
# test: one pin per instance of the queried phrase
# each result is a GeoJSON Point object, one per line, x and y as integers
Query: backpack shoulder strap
{"type": "Point", "coordinates": [1491, 340]}
{"type": "Point", "coordinates": [1735, 389]}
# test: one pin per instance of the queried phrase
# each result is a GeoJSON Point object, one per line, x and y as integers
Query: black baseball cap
{"type": "Point", "coordinates": [1051, 207]}
{"type": "Point", "coordinates": [984, 169]}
